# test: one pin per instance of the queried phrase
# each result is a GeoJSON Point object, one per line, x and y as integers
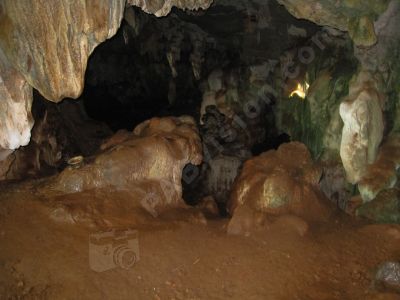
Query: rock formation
{"type": "Point", "coordinates": [363, 125]}
{"type": "Point", "coordinates": [356, 17]}
{"type": "Point", "coordinates": [148, 164]}
{"type": "Point", "coordinates": [161, 8]}
{"type": "Point", "coordinates": [278, 182]}
{"type": "Point", "coordinates": [381, 174]}
{"type": "Point", "coordinates": [55, 40]}
{"type": "Point", "coordinates": [15, 107]}
{"type": "Point", "coordinates": [53, 44]}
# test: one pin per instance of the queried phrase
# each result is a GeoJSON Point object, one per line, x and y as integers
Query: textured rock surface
{"type": "Point", "coordinates": [55, 40]}
{"type": "Point", "coordinates": [284, 181]}
{"type": "Point", "coordinates": [363, 127]}
{"type": "Point", "coordinates": [61, 131]}
{"type": "Point", "coordinates": [15, 107]}
{"type": "Point", "coordinates": [148, 164]}
{"type": "Point", "coordinates": [47, 44]}
{"type": "Point", "coordinates": [356, 17]}
{"type": "Point", "coordinates": [381, 174]}
{"type": "Point", "coordinates": [385, 208]}
{"type": "Point", "coordinates": [163, 7]}
{"type": "Point", "coordinates": [388, 274]}
{"type": "Point", "coordinates": [380, 56]}
{"type": "Point", "coordinates": [334, 184]}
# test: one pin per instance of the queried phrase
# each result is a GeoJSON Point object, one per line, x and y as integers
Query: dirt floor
{"type": "Point", "coordinates": [184, 258]}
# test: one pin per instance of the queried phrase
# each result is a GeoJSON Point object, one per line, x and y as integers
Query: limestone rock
{"type": "Point", "coordinates": [15, 107]}
{"type": "Point", "coordinates": [334, 184]}
{"type": "Point", "coordinates": [221, 174]}
{"type": "Point", "coordinates": [381, 174]}
{"type": "Point", "coordinates": [148, 164]}
{"type": "Point", "coordinates": [55, 40]}
{"type": "Point", "coordinates": [388, 274]}
{"type": "Point", "coordinates": [5, 165]}
{"type": "Point", "coordinates": [385, 208]}
{"type": "Point", "coordinates": [245, 221]}
{"type": "Point", "coordinates": [357, 17]}
{"type": "Point", "coordinates": [278, 182]}
{"type": "Point", "coordinates": [363, 127]}
{"type": "Point", "coordinates": [380, 57]}
{"type": "Point", "coordinates": [163, 7]}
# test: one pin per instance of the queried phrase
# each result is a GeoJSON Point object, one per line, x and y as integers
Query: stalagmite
{"type": "Point", "coordinates": [15, 108]}
{"type": "Point", "coordinates": [363, 127]}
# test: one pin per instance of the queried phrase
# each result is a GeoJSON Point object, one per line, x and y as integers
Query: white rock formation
{"type": "Point", "coordinates": [363, 127]}
{"type": "Point", "coordinates": [162, 8]}
{"type": "Point", "coordinates": [15, 108]}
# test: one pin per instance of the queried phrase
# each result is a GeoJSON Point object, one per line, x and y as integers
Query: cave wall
{"type": "Point", "coordinates": [34, 52]}
{"type": "Point", "coordinates": [48, 44]}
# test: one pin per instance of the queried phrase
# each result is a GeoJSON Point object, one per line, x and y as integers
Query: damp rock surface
{"type": "Point", "coordinates": [362, 115]}
{"type": "Point", "coordinates": [388, 274]}
{"type": "Point", "coordinates": [148, 164]}
{"type": "Point", "coordinates": [283, 181]}
{"type": "Point", "coordinates": [384, 208]}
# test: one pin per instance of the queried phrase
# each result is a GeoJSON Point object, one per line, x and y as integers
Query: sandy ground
{"type": "Point", "coordinates": [183, 259]}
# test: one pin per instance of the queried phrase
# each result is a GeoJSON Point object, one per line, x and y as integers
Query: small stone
{"type": "Point", "coordinates": [388, 274]}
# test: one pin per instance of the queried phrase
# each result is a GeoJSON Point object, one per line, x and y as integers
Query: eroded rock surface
{"type": "Point", "coordinates": [15, 107]}
{"type": "Point", "coordinates": [278, 182]}
{"type": "Point", "coordinates": [148, 164]}
{"type": "Point", "coordinates": [163, 7]}
{"type": "Point", "coordinates": [46, 45]}
{"type": "Point", "coordinates": [363, 127]}
{"type": "Point", "coordinates": [381, 174]}
{"type": "Point", "coordinates": [55, 40]}
{"type": "Point", "coordinates": [356, 17]}
{"type": "Point", "coordinates": [385, 208]}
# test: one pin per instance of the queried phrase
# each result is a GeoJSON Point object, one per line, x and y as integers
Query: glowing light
{"type": "Point", "coordinates": [300, 91]}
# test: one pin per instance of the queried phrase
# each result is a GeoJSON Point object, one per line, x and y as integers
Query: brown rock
{"type": "Point", "coordinates": [55, 40]}
{"type": "Point", "coordinates": [149, 165]}
{"type": "Point", "coordinates": [277, 181]}
{"type": "Point", "coordinates": [163, 7]}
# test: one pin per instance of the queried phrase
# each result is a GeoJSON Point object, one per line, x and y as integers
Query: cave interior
{"type": "Point", "coordinates": [163, 149]}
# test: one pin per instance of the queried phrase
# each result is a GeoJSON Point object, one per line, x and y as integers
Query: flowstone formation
{"type": "Point", "coordinates": [278, 182]}
{"type": "Point", "coordinates": [15, 108]}
{"type": "Point", "coordinates": [363, 125]}
{"type": "Point", "coordinates": [147, 163]}
{"type": "Point", "coordinates": [46, 45]}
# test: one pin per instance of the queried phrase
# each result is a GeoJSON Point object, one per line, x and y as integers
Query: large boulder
{"type": "Point", "coordinates": [283, 181]}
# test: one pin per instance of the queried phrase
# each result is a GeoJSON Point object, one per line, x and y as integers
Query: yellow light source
{"type": "Point", "coordinates": [300, 91]}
